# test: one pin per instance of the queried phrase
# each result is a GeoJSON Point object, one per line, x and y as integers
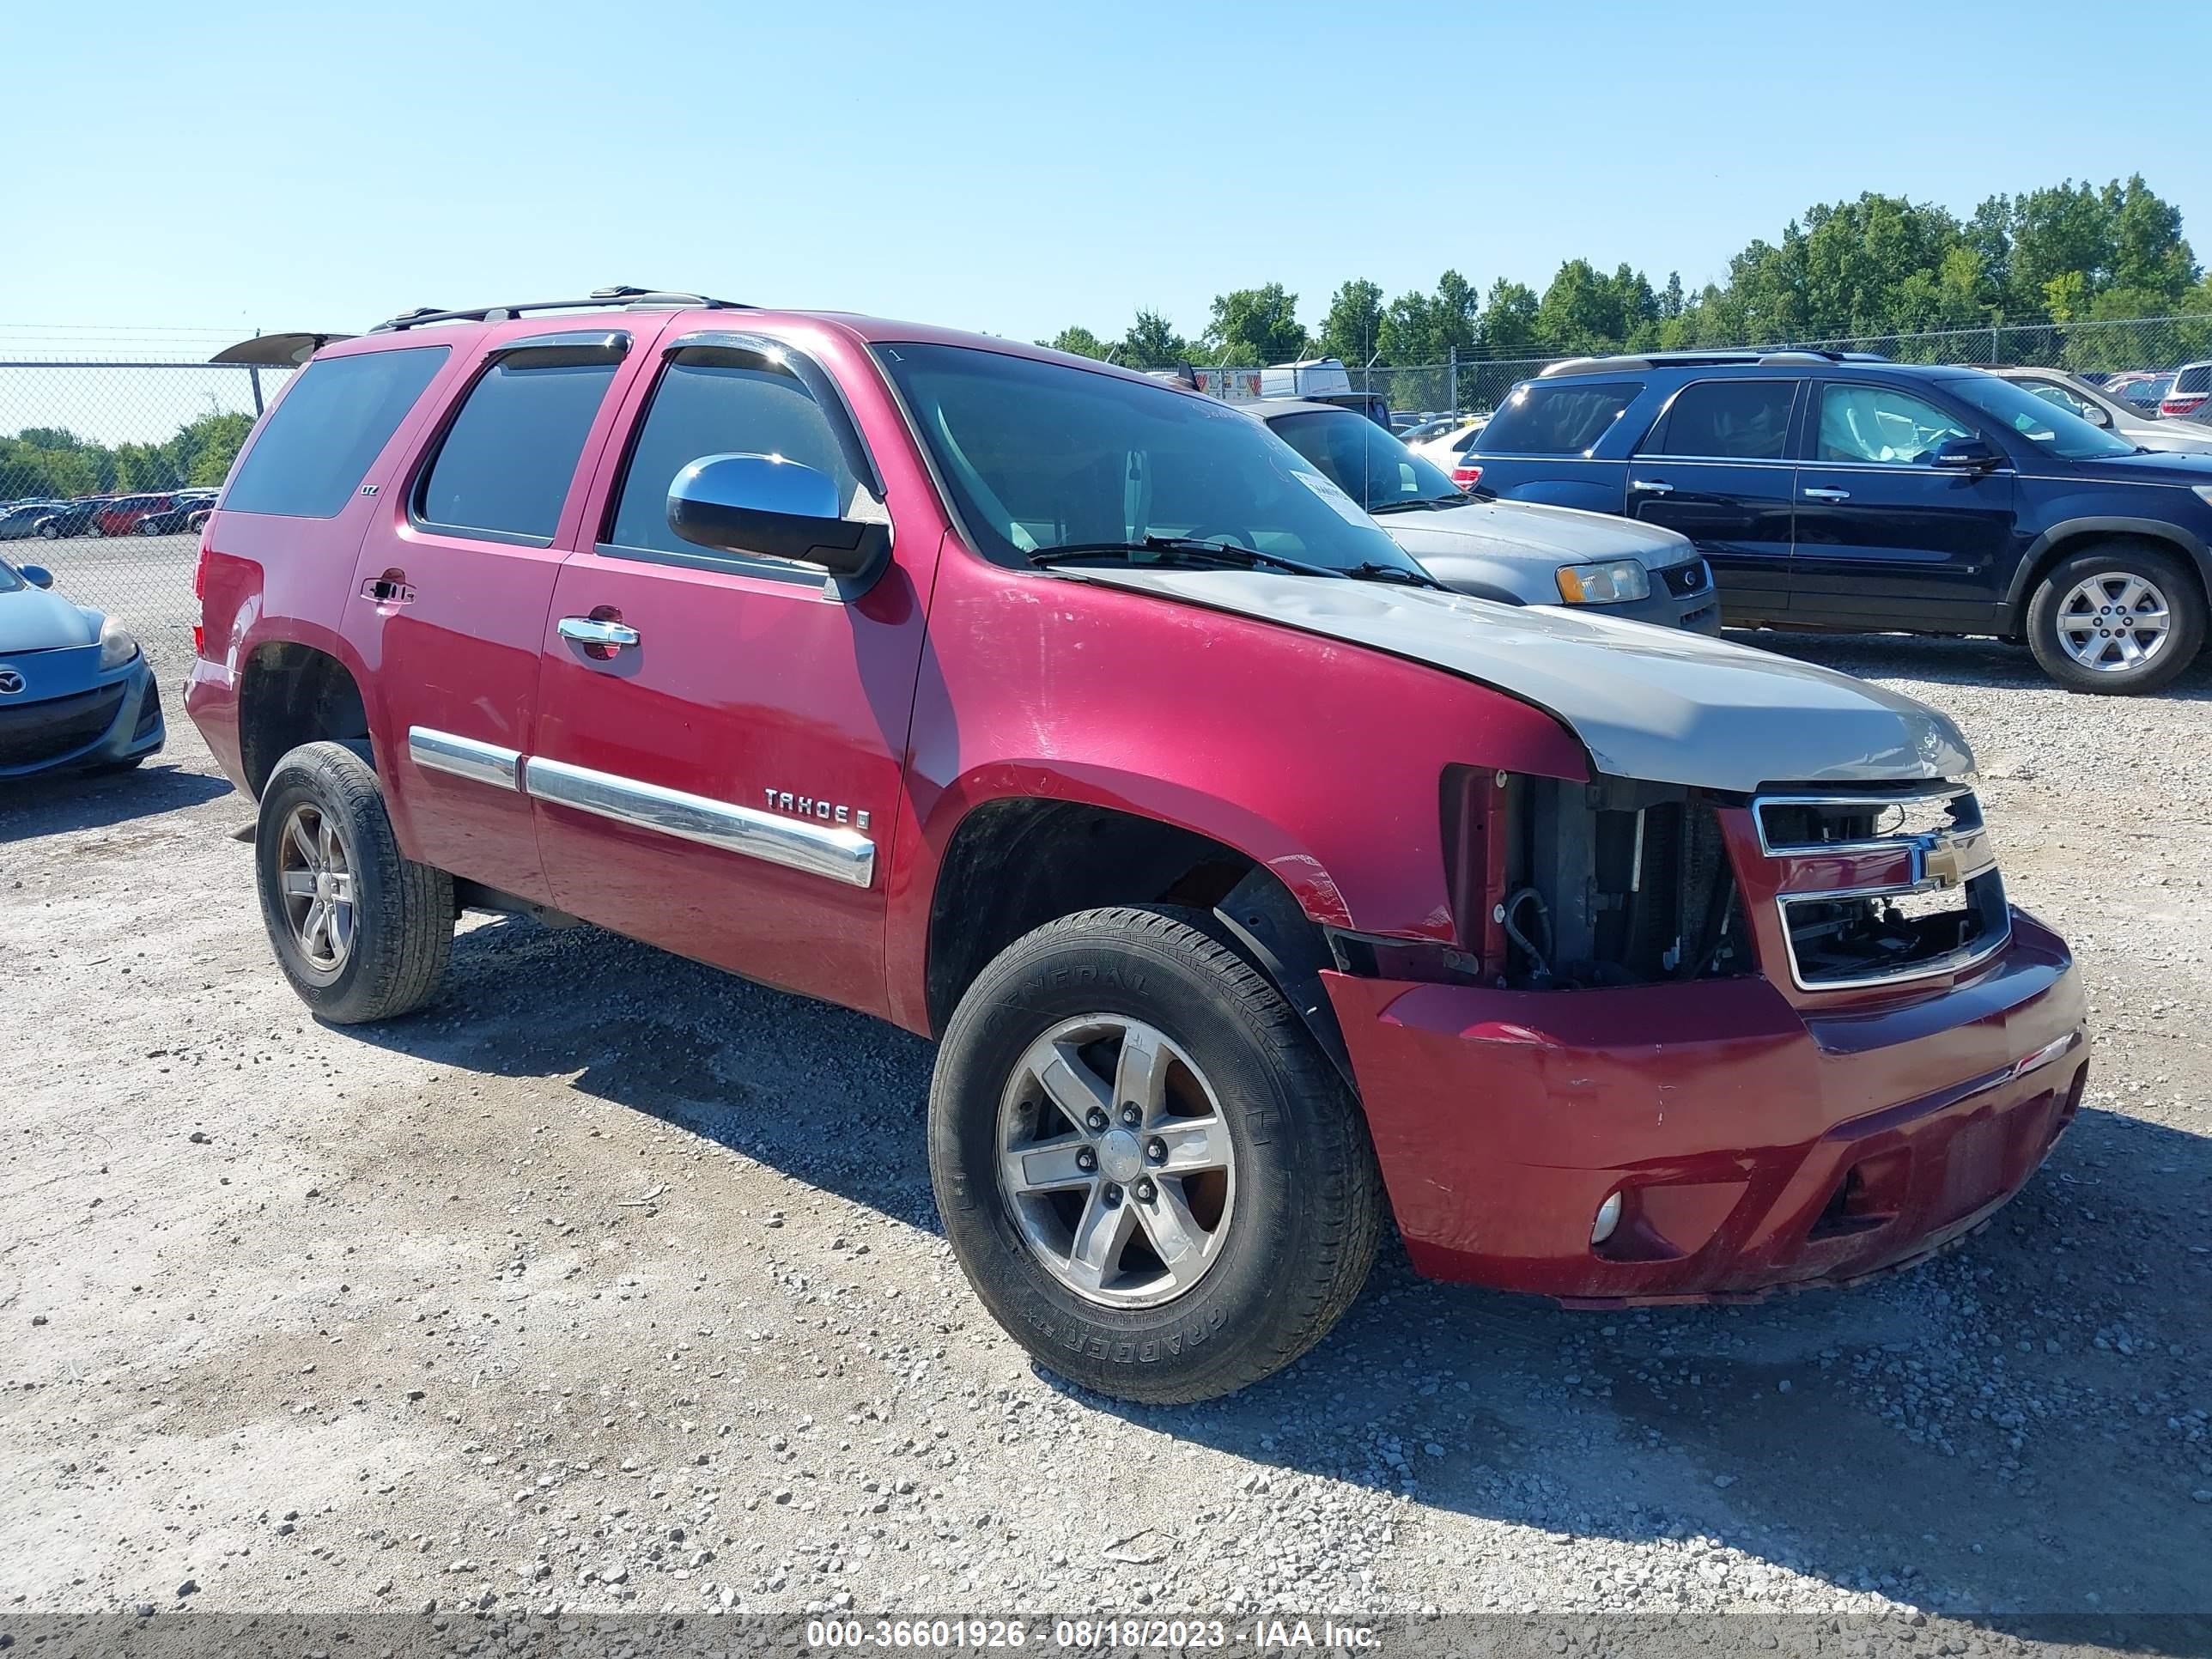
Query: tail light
{"type": "Point", "coordinates": [2181, 405]}
{"type": "Point", "coordinates": [1467, 474]}
{"type": "Point", "coordinates": [199, 597]}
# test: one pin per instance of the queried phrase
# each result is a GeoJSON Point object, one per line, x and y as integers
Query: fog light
{"type": "Point", "coordinates": [1608, 1218]}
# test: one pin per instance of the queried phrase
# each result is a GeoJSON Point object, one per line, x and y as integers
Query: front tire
{"type": "Point", "coordinates": [2116, 618]}
{"type": "Point", "coordinates": [1153, 1178]}
{"type": "Point", "coordinates": [362, 933]}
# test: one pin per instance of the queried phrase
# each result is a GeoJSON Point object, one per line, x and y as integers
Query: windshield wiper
{"type": "Point", "coordinates": [1371, 570]}
{"type": "Point", "coordinates": [1185, 550]}
{"type": "Point", "coordinates": [1431, 503]}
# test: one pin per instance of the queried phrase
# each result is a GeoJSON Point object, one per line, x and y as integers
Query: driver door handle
{"type": "Point", "coordinates": [1827, 495]}
{"type": "Point", "coordinates": [1651, 487]}
{"type": "Point", "coordinates": [593, 630]}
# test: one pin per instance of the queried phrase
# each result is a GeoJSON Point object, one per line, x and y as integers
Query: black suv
{"type": "Point", "coordinates": [1839, 491]}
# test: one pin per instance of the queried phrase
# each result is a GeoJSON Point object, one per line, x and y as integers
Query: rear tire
{"type": "Point", "coordinates": [1229, 1272]}
{"type": "Point", "coordinates": [2089, 628]}
{"type": "Point", "coordinates": [362, 933]}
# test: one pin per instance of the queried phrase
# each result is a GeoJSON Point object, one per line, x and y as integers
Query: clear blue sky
{"type": "Point", "coordinates": [1008, 166]}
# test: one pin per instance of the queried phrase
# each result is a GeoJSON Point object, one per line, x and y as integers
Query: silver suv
{"type": "Point", "coordinates": [1516, 552]}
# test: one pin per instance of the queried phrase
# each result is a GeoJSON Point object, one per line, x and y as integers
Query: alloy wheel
{"type": "Point", "coordinates": [1116, 1161]}
{"type": "Point", "coordinates": [316, 880]}
{"type": "Point", "coordinates": [2114, 623]}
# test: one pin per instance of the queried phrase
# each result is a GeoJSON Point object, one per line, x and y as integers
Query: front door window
{"type": "Point", "coordinates": [1879, 425]}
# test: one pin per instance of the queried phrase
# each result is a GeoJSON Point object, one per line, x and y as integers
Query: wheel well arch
{"type": "Point", "coordinates": [290, 694]}
{"type": "Point", "coordinates": [1014, 864]}
{"type": "Point", "coordinates": [2063, 541]}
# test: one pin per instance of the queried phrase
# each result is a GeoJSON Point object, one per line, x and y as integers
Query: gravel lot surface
{"type": "Point", "coordinates": [610, 1282]}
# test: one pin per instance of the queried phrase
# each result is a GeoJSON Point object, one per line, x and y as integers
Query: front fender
{"type": "Point", "coordinates": [2181, 540]}
{"type": "Point", "coordinates": [1321, 762]}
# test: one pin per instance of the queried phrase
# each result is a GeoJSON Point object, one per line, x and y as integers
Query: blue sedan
{"type": "Point", "coordinates": [75, 689]}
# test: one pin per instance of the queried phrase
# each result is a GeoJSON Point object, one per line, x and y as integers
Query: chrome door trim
{"type": "Point", "coordinates": [840, 856]}
{"type": "Point", "coordinates": [464, 758]}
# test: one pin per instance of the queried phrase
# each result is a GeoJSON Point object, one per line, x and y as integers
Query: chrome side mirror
{"type": "Point", "coordinates": [765, 504]}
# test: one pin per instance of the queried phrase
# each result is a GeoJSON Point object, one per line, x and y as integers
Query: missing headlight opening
{"type": "Point", "coordinates": [1614, 883]}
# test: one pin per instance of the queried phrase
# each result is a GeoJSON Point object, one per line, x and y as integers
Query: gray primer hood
{"type": "Point", "coordinates": [1661, 704]}
{"type": "Point", "coordinates": [1528, 532]}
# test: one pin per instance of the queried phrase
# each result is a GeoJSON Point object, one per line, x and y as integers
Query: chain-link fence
{"type": "Point", "coordinates": [2143, 351]}
{"type": "Point", "coordinates": [103, 465]}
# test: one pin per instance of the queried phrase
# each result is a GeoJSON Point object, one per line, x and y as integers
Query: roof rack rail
{"type": "Point", "coordinates": [1708, 359]}
{"type": "Point", "coordinates": [621, 294]}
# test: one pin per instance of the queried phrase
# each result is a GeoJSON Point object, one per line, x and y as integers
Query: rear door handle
{"type": "Point", "coordinates": [390, 588]}
{"type": "Point", "coordinates": [1827, 495]}
{"type": "Point", "coordinates": [1651, 487]}
{"type": "Point", "coordinates": [596, 630]}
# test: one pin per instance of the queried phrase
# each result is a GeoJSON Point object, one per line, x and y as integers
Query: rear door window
{"type": "Point", "coordinates": [1726, 420]}
{"type": "Point", "coordinates": [327, 430]}
{"type": "Point", "coordinates": [504, 469]}
{"type": "Point", "coordinates": [1561, 418]}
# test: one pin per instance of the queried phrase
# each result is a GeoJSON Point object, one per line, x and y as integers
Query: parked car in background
{"type": "Point", "coordinates": [181, 515]}
{"type": "Point", "coordinates": [2140, 388]}
{"type": "Point", "coordinates": [1448, 449]}
{"type": "Point", "coordinates": [2191, 388]}
{"type": "Point", "coordinates": [20, 520]}
{"type": "Point", "coordinates": [75, 689]}
{"type": "Point", "coordinates": [2077, 397]}
{"type": "Point", "coordinates": [120, 516]}
{"type": "Point", "coordinates": [1509, 552]}
{"type": "Point", "coordinates": [1253, 888]}
{"type": "Point", "coordinates": [1429, 426]}
{"type": "Point", "coordinates": [68, 518]}
{"type": "Point", "coordinates": [1324, 380]}
{"type": "Point", "coordinates": [1841, 492]}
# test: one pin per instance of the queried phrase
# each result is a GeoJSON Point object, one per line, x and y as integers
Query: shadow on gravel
{"type": "Point", "coordinates": [2017, 1426]}
{"type": "Point", "coordinates": [1980, 662]}
{"type": "Point", "coordinates": [32, 807]}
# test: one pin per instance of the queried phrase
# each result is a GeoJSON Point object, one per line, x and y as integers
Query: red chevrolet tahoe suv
{"type": "Point", "coordinates": [1248, 881]}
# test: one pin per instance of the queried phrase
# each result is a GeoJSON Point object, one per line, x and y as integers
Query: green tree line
{"type": "Point", "coordinates": [1879, 266]}
{"type": "Point", "coordinates": [51, 462]}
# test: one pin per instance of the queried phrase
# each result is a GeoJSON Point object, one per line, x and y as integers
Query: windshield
{"type": "Point", "coordinates": [2048, 428]}
{"type": "Point", "coordinates": [9, 581]}
{"type": "Point", "coordinates": [1362, 460]}
{"type": "Point", "coordinates": [1038, 455]}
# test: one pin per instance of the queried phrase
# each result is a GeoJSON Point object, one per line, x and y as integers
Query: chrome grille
{"type": "Point", "coordinates": [1882, 885]}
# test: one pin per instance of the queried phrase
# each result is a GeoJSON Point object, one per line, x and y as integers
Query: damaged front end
{"type": "Point", "coordinates": [1694, 1044]}
{"type": "Point", "coordinates": [1560, 885]}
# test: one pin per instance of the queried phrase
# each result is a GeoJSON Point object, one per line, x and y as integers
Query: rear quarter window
{"type": "Point", "coordinates": [326, 431]}
{"type": "Point", "coordinates": [1561, 418]}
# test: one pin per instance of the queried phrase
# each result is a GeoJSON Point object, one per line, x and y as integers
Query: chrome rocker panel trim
{"type": "Point", "coordinates": [841, 855]}
{"type": "Point", "coordinates": [464, 758]}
